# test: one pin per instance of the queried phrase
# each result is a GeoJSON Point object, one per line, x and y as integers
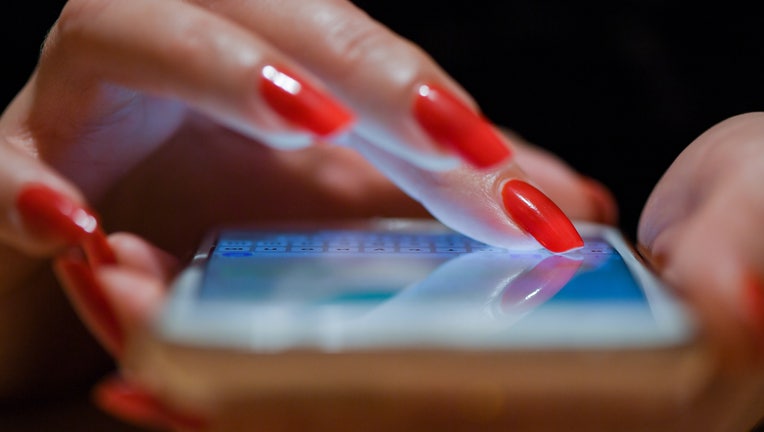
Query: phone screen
{"type": "Point", "coordinates": [339, 288]}
{"type": "Point", "coordinates": [361, 268]}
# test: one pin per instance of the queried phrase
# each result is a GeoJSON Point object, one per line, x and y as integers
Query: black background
{"type": "Point", "coordinates": [617, 89]}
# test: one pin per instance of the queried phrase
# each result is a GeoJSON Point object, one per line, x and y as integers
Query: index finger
{"type": "Point", "coordinates": [405, 102]}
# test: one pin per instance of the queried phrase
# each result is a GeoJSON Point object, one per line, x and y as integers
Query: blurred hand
{"type": "Point", "coordinates": [170, 117]}
{"type": "Point", "coordinates": [702, 228]}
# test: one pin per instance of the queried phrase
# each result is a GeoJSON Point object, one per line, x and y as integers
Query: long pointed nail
{"type": "Point", "coordinates": [98, 250]}
{"type": "Point", "coordinates": [455, 125]}
{"type": "Point", "coordinates": [301, 104]}
{"type": "Point", "coordinates": [538, 216]}
{"type": "Point", "coordinates": [130, 403]}
{"type": "Point", "coordinates": [605, 210]}
{"type": "Point", "coordinates": [77, 276]}
{"type": "Point", "coordinates": [50, 214]}
{"type": "Point", "coordinates": [753, 292]}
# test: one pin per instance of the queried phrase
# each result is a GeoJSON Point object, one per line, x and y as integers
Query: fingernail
{"type": "Point", "coordinates": [98, 250]}
{"type": "Point", "coordinates": [132, 404]}
{"type": "Point", "coordinates": [754, 302]}
{"type": "Point", "coordinates": [657, 260]}
{"type": "Point", "coordinates": [48, 213]}
{"type": "Point", "coordinates": [301, 104]}
{"type": "Point", "coordinates": [538, 216]}
{"type": "Point", "coordinates": [455, 125]}
{"type": "Point", "coordinates": [602, 199]}
{"type": "Point", "coordinates": [78, 277]}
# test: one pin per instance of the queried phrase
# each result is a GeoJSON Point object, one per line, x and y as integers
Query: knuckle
{"type": "Point", "coordinates": [71, 27]}
{"type": "Point", "coordinates": [77, 14]}
{"type": "Point", "coordinates": [365, 44]}
{"type": "Point", "coordinates": [191, 37]}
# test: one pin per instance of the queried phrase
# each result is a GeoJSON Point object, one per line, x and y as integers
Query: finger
{"type": "Point", "coordinates": [116, 286]}
{"type": "Point", "coordinates": [701, 229]}
{"type": "Point", "coordinates": [178, 51]}
{"type": "Point", "coordinates": [136, 405]}
{"type": "Point", "coordinates": [493, 206]}
{"type": "Point", "coordinates": [39, 211]}
{"type": "Point", "coordinates": [134, 253]}
{"type": "Point", "coordinates": [90, 301]}
{"type": "Point", "coordinates": [136, 287]}
{"type": "Point", "coordinates": [405, 102]}
{"type": "Point", "coordinates": [713, 262]}
{"type": "Point", "coordinates": [580, 197]}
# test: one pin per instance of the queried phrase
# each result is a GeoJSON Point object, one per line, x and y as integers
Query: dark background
{"type": "Point", "coordinates": [617, 89]}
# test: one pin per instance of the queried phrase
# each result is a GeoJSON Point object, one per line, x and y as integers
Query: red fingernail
{"type": "Point", "coordinates": [299, 103]}
{"type": "Point", "coordinates": [48, 213]}
{"type": "Point", "coordinates": [537, 215]}
{"type": "Point", "coordinates": [92, 302]}
{"type": "Point", "coordinates": [754, 301]}
{"type": "Point", "coordinates": [602, 199]}
{"type": "Point", "coordinates": [98, 250]}
{"type": "Point", "coordinates": [138, 406]}
{"type": "Point", "coordinates": [453, 124]}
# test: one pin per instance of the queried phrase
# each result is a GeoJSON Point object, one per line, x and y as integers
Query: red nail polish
{"type": "Point", "coordinates": [602, 199]}
{"type": "Point", "coordinates": [133, 404]}
{"type": "Point", "coordinates": [98, 250]}
{"type": "Point", "coordinates": [455, 125]}
{"type": "Point", "coordinates": [128, 403]}
{"type": "Point", "coordinates": [537, 215]}
{"type": "Point", "coordinates": [301, 104]}
{"type": "Point", "coordinates": [48, 213]}
{"type": "Point", "coordinates": [78, 278]}
{"type": "Point", "coordinates": [753, 292]}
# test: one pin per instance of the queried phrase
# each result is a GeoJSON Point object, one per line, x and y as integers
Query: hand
{"type": "Point", "coordinates": [133, 289]}
{"type": "Point", "coordinates": [702, 229]}
{"type": "Point", "coordinates": [188, 85]}
{"type": "Point", "coordinates": [169, 117]}
{"type": "Point", "coordinates": [94, 281]}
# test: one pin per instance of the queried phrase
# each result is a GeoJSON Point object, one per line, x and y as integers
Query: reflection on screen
{"type": "Point", "coordinates": [341, 267]}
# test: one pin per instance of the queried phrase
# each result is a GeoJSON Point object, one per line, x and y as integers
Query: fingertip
{"type": "Point", "coordinates": [133, 404]}
{"type": "Point", "coordinates": [128, 403]}
{"type": "Point", "coordinates": [456, 126]}
{"type": "Point", "coordinates": [539, 216]}
{"type": "Point", "coordinates": [90, 299]}
{"type": "Point", "coordinates": [303, 104]}
{"type": "Point", "coordinates": [753, 301]}
{"type": "Point", "coordinates": [136, 297]}
{"type": "Point", "coordinates": [136, 254]}
{"type": "Point", "coordinates": [45, 218]}
{"type": "Point", "coordinates": [603, 204]}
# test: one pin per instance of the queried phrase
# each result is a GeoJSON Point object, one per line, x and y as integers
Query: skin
{"type": "Point", "coordinates": [167, 152]}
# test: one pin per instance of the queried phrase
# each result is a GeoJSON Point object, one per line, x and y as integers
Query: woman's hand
{"type": "Point", "coordinates": [702, 228]}
{"type": "Point", "coordinates": [127, 92]}
{"type": "Point", "coordinates": [169, 117]}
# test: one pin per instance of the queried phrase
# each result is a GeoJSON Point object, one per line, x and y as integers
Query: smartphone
{"type": "Point", "coordinates": [388, 319]}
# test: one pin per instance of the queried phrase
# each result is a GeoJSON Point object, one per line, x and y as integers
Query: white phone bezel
{"type": "Point", "coordinates": [270, 330]}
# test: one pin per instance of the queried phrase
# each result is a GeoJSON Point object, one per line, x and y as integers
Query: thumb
{"type": "Point", "coordinates": [701, 228]}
